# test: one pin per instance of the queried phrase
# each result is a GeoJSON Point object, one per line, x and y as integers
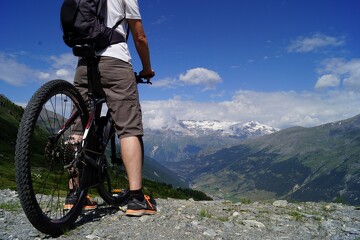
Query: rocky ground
{"type": "Point", "coordinates": [187, 219]}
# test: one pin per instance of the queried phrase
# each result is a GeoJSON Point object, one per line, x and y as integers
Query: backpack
{"type": "Point", "coordinates": [82, 23]}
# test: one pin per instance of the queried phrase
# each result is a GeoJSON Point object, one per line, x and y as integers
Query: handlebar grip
{"type": "Point", "coordinates": [143, 79]}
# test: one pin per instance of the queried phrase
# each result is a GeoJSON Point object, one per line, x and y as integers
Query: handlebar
{"type": "Point", "coordinates": [143, 79]}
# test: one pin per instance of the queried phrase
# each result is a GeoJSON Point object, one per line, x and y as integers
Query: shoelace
{"type": "Point", "coordinates": [147, 198]}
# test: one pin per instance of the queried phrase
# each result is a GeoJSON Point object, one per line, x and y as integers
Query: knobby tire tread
{"type": "Point", "coordinates": [22, 162]}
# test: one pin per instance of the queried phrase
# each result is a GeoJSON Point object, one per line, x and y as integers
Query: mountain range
{"type": "Point", "coordinates": [218, 128]}
{"type": "Point", "coordinates": [187, 139]}
{"type": "Point", "coordinates": [242, 160]}
{"type": "Point", "coordinates": [320, 163]}
{"type": "Point", "coordinates": [258, 162]}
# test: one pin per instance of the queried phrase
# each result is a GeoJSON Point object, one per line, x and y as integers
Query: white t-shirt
{"type": "Point", "coordinates": [116, 9]}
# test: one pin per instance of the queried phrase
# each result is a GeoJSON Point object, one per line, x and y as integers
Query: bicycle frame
{"type": "Point", "coordinates": [98, 128]}
{"type": "Point", "coordinates": [52, 166]}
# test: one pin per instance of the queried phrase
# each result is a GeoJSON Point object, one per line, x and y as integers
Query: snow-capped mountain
{"type": "Point", "coordinates": [189, 139]}
{"type": "Point", "coordinates": [208, 127]}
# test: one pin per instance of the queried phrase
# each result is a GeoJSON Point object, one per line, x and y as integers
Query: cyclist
{"type": "Point", "coordinates": [118, 85]}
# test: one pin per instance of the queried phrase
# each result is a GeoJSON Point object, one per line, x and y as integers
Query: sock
{"type": "Point", "coordinates": [137, 194]}
{"type": "Point", "coordinates": [71, 191]}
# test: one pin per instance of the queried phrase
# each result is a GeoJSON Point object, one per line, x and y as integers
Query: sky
{"type": "Point", "coordinates": [282, 63]}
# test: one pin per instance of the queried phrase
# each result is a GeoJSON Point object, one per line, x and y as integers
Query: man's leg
{"type": "Point", "coordinates": [120, 87]}
{"type": "Point", "coordinates": [74, 140]}
{"type": "Point", "coordinates": [132, 155]}
{"type": "Point", "coordinates": [74, 182]}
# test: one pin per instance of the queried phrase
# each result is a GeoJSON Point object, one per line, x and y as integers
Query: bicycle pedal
{"type": "Point", "coordinates": [117, 190]}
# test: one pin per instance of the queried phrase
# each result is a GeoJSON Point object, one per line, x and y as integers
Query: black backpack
{"type": "Point", "coordinates": [82, 23]}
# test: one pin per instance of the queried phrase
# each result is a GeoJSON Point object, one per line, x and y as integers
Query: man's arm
{"type": "Point", "coordinates": [141, 45]}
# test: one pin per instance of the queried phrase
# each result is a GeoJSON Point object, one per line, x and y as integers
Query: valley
{"type": "Point", "coordinates": [238, 161]}
{"type": "Point", "coordinates": [299, 164]}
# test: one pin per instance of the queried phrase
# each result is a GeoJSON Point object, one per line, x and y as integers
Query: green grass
{"type": "Point", "coordinates": [152, 188]}
{"type": "Point", "coordinates": [204, 213]}
{"type": "Point", "coordinates": [163, 190]}
{"type": "Point", "coordinates": [155, 189]}
{"type": "Point", "coordinates": [12, 207]}
{"type": "Point", "coordinates": [7, 175]}
{"type": "Point", "coordinates": [296, 215]}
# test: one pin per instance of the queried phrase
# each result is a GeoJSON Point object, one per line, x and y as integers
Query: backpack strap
{"type": "Point", "coordinates": [127, 32]}
{"type": "Point", "coordinates": [118, 24]}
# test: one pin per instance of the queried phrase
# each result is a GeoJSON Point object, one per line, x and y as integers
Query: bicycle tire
{"type": "Point", "coordinates": [41, 153]}
{"type": "Point", "coordinates": [113, 184]}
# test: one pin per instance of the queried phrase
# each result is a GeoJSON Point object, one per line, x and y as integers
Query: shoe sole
{"type": "Point", "coordinates": [139, 213]}
{"type": "Point", "coordinates": [89, 208]}
{"type": "Point", "coordinates": [68, 207]}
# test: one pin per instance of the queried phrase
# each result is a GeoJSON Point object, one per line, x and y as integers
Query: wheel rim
{"type": "Point", "coordinates": [50, 151]}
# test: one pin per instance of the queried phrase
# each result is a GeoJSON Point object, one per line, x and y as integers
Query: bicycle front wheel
{"type": "Point", "coordinates": [46, 159]}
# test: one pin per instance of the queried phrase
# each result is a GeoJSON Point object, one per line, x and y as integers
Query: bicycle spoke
{"type": "Point", "coordinates": [53, 181]}
{"type": "Point", "coordinates": [43, 151]}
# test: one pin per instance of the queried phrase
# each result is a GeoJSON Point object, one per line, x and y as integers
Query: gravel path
{"type": "Point", "coordinates": [187, 219]}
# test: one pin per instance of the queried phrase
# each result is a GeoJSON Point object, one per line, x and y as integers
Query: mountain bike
{"type": "Point", "coordinates": [48, 158]}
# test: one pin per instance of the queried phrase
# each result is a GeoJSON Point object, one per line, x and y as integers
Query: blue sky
{"type": "Point", "coordinates": [282, 63]}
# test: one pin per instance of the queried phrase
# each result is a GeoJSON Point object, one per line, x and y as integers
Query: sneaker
{"type": "Point", "coordinates": [71, 200]}
{"type": "Point", "coordinates": [89, 204]}
{"type": "Point", "coordinates": [121, 196]}
{"type": "Point", "coordinates": [137, 208]}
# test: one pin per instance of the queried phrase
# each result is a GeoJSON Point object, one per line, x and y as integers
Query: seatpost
{"type": "Point", "coordinates": [87, 52]}
{"type": "Point", "coordinates": [92, 74]}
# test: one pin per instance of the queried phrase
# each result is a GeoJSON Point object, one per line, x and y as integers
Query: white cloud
{"type": "Point", "coordinates": [166, 83]}
{"type": "Point", "coordinates": [277, 109]}
{"type": "Point", "coordinates": [314, 42]}
{"type": "Point", "coordinates": [201, 76]}
{"type": "Point", "coordinates": [43, 75]}
{"type": "Point", "coordinates": [64, 73]}
{"type": "Point", "coordinates": [64, 60]}
{"type": "Point", "coordinates": [16, 73]}
{"type": "Point", "coordinates": [327, 80]}
{"type": "Point", "coordinates": [335, 71]}
{"type": "Point", "coordinates": [63, 67]}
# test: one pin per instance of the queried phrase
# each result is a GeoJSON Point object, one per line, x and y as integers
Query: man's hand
{"type": "Point", "coordinates": [147, 74]}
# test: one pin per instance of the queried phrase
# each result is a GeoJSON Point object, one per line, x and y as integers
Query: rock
{"type": "Point", "coordinates": [229, 224]}
{"type": "Point", "coordinates": [280, 203]}
{"type": "Point", "coordinates": [210, 233]}
{"type": "Point", "coordinates": [236, 214]}
{"type": "Point", "coordinates": [253, 223]}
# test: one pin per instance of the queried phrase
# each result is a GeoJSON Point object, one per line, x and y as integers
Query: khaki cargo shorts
{"type": "Point", "coordinates": [118, 85]}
